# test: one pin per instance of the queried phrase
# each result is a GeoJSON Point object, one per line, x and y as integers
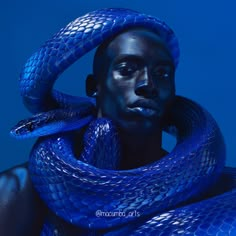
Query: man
{"type": "Point", "coordinates": [133, 82]}
{"type": "Point", "coordinates": [135, 88]}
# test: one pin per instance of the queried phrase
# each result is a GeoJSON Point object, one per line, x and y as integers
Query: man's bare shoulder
{"type": "Point", "coordinates": [21, 210]}
{"type": "Point", "coordinates": [13, 182]}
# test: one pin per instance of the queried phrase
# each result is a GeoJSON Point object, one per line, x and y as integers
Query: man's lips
{"type": "Point", "coordinates": [144, 107]}
{"type": "Point", "coordinates": [146, 112]}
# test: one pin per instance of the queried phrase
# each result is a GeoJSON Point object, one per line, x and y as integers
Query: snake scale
{"type": "Point", "coordinates": [148, 200]}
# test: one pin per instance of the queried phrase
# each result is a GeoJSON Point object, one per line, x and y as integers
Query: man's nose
{"type": "Point", "coordinates": [145, 86]}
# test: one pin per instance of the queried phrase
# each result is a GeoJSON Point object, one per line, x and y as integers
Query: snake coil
{"type": "Point", "coordinates": [73, 188]}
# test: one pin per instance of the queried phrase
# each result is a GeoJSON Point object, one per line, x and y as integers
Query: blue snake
{"type": "Point", "coordinates": [85, 191]}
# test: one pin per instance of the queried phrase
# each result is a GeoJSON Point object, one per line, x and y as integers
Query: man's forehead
{"type": "Point", "coordinates": [135, 35]}
{"type": "Point", "coordinates": [136, 41]}
{"type": "Point", "coordinates": [137, 31]}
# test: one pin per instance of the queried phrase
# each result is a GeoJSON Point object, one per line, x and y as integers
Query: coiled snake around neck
{"type": "Point", "coordinates": [86, 191]}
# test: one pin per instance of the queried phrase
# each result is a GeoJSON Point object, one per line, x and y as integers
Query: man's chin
{"type": "Point", "coordinates": [140, 127]}
{"type": "Point", "coordinates": [132, 123]}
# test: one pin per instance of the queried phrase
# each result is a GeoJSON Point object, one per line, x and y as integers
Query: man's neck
{"type": "Point", "coordinates": [138, 150]}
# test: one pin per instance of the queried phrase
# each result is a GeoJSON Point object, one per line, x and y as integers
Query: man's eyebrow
{"type": "Point", "coordinates": [128, 57]}
{"type": "Point", "coordinates": [139, 60]}
{"type": "Point", "coordinates": [165, 63]}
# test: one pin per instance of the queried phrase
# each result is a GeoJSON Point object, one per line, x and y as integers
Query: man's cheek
{"type": "Point", "coordinates": [166, 95]}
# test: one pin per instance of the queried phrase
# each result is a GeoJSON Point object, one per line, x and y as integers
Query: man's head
{"type": "Point", "coordinates": [134, 74]}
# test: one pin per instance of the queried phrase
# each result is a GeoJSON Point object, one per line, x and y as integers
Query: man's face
{"type": "Point", "coordinates": [136, 84]}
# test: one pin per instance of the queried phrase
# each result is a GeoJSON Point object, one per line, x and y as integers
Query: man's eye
{"type": "Point", "coordinates": [125, 69]}
{"type": "Point", "coordinates": [162, 73]}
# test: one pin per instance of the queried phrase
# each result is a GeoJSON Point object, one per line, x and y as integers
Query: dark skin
{"type": "Point", "coordinates": [135, 88]}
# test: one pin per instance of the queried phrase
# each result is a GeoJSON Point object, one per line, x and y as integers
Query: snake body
{"type": "Point", "coordinates": [75, 187]}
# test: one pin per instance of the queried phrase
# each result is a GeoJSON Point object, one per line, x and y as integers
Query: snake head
{"type": "Point", "coordinates": [31, 127]}
{"type": "Point", "coordinates": [51, 122]}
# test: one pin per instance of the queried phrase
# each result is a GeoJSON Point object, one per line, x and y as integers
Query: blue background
{"type": "Point", "coordinates": [207, 35]}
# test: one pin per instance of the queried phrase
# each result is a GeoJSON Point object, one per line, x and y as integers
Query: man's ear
{"type": "Point", "coordinates": [91, 86]}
